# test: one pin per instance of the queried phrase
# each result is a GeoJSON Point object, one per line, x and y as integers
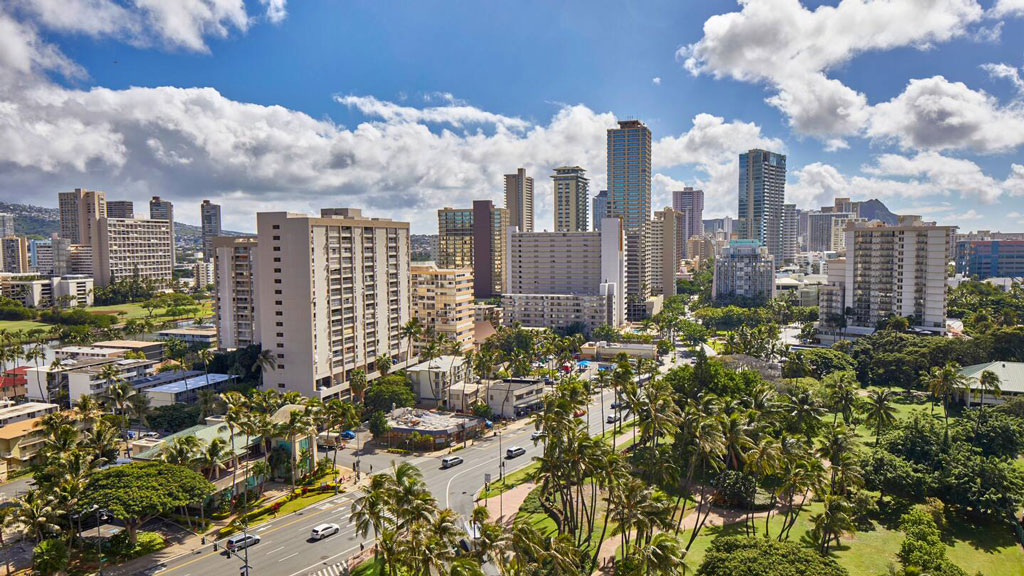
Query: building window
{"type": "Point", "coordinates": [280, 384]}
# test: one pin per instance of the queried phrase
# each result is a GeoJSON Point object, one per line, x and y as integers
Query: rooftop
{"type": "Point", "coordinates": [1011, 375]}
{"type": "Point", "coordinates": [25, 408]}
{"type": "Point", "coordinates": [439, 364]}
{"type": "Point", "coordinates": [18, 429]}
{"type": "Point", "coordinates": [424, 421]}
{"type": "Point", "coordinates": [130, 344]}
{"type": "Point", "coordinates": [107, 351]}
{"type": "Point", "coordinates": [164, 378]}
{"type": "Point", "coordinates": [122, 364]}
{"type": "Point", "coordinates": [193, 383]}
{"type": "Point", "coordinates": [190, 331]}
{"type": "Point", "coordinates": [206, 433]}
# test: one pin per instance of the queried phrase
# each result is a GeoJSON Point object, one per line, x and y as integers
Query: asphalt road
{"type": "Point", "coordinates": [286, 550]}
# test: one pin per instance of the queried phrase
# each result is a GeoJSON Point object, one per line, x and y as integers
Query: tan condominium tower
{"type": "Point", "coordinates": [132, 247]}
{"type": "Point", "coordinates": [210, 219]}
{"type": "Point", "coordinates": [475, 238]}
{"type": "Point", "coordinates": [333, 294]}
{"type": "Point", "coordinates": [572, 198]}
{"type": "Point", "coordinates": [160, 209]}
{"type": "Point", "coordinates": [80, 210]}
{"type": "Point", "coordinates": [442, 300]}
{"type": "Point", "coordinates": [519, 200]}
{"type": "Point", "coordinates": [234, 261]}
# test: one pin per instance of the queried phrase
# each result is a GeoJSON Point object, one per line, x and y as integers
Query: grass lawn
{"type": "Point", "coordinates": [510, 481]}
{"type": "Point", "coordinates": [989, 549]}
{"type": "Point", "coordinates": [130, 310]}
{"type": "Point", "coordinates": [368, 568]}
{"type": "Point", "coordinates": [293, 505]}
{"type": "Point", "coordinates": [546, 526]}
{"type": "Point", "coordinates": [22, 325]}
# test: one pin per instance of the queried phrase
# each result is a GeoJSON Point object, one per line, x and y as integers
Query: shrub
{"type": "Point", "coordinates": [735, 489]}
{"type": "Point", "coordinates": [756, 556]}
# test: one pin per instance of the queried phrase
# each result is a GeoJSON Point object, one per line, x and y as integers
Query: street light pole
{"type": "Point", "coordinates": [99, 539]}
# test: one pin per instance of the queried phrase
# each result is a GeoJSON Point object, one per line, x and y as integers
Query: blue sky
{"type": "Point", "coordinates": [404, 107]}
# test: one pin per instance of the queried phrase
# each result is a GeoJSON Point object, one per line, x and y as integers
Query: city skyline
{"type": "Point", "coordinates": [406, 144]}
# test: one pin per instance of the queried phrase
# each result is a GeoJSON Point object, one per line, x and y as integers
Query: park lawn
{"type": "Point", "coordinates": [369, 568]}
{"type": "Point", "coordinates": [22, 325]}
{"type": "Point", "coordinates": [990, 549]}
{"type": "Point", "coordinates": [546, 527]}
{"type": "Point", "coordinates": [134, 310]}
{"type": "Point", "coordinates": [510, 481]}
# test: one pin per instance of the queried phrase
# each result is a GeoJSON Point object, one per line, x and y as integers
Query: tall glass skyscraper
{"type": "Point", "coordinates": [629, 174]}
{"type": "Point", "coordinates": [762, 192]}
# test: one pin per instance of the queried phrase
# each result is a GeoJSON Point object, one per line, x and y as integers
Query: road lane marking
{"type": "Point", "coordinates": [271, 552]}
{"type": "Point", "coordinates": [325, 560]}
{"type": "Point", "coordinates": [292, 555]}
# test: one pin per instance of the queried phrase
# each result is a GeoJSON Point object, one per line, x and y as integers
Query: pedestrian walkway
{"type": "Point", "coordinates": [339, 569]}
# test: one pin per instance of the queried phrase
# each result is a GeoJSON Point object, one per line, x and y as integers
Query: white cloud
{"type": "Point", "coordinates": [656, 80]}
{"type": "Point", "coordinates": [23, 53]}
{"type": "Point", "coordinates": [457, 115]}
{"type": "Point", "coordinates": [1006, 8]}
{"type": "Point", "coordinates": [1007, 72]}
{"type": "Point", "coordinates": [935, 114]}
{"type": "Point", "coordinates": [177, 24]}
{"type": "Point", "coordinates": [969, 215]}
{"type": "Point", "coordinates": [792, 49]}
{"type": "Point", "coordinates": [711, 140]}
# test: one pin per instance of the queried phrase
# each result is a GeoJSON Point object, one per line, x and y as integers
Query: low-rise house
{"type": "Point", "coordinates": [1011, 382]}
{"type": "Point", "coordinates": [434, 379]}
{"type": "Point", "coordinates": [205, 336]}
{"type": "Point", "coordinates": [80, 377]}
{"type": "Point", "coordinates": [417, 429]}
{"type": "Point", "coordinates": [151, 350]}
{"type": "Point", "coordinates": [606, 351]}
{"type": "Point", "coordinates": [14, 383]}
{"type": "Point", "coordinates": [11, 413]}
{"type": "Point", "coordinates": [515, 397]}
{"type": "Point", "coordinates": [186, 390]}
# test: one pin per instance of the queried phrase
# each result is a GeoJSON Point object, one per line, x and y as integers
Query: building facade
{"type": "Point", "coordinates": [790, 227]}
{"type": "Point", "coordinates": [762, 192]}
{"type": "Point", "coordinates": [235, 274]}
{"type": "Point", "coordinates": [990, 258]}
{"type": "Point", "coordinates": [746, 270]}
{"type": "Point", "coordinates": [519, 200]}
{"type": "Point", "coordinates": [209, 214]}
{"type": "Point", "coordinates": [691, 202]}
{"type": "Point", "coordinates": [6, 225]}
{"type": "Point", "coordinates": [120, 209]}
{"type": "Point", "coordinates": [333, 293]}
{"type": "Point", "coordinates": [600, 208]}
{"type": "Point", "coordinates": [629, 173]}
{"type": "Point", "coordinates": [889, 270]}
{"type": "Point", "coordinates": [132, 247]}
{"type": "Point", "coordinates": [560, 279]}
{"type": "Point", "coordinates": [572, 195]}
{"type": "Point", "coordinates": [14, 251]}
{"type": "Point", "coordinates": [80, 209]}
{"type": "Point", "coordinates": [163, 210]}
{"type": "Point", "coordinates": [664, 249]}
{"type": "Point", "coordinates": [442, 299]}
{"type": "Point", "coordinates": [475, 238]}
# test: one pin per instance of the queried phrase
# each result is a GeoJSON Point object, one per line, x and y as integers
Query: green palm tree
{"type": "Point", "coordinates": [35, 514]}
{"type": "Point", "coordinates": [183, 451]}
{"type": "Point", "coordinates": [945, 382]}
{"type": "Point", "coordinates": [339, 416]}
{"type": "Point", "coordinates": [265, 361]}
{"type": "Point", "coordinates": [411, 331]}
{"type": "Point", "coordinates": [212, 457]}
{"type": "Point", "coordinates": [383, 364]}
{"type": "Point", "coordinates": [118, 396]}
{"type": "Point", "coordinates": [879, 411]}
{"type": "Point", "coordinates": [761, 460]}
{"type": "Point", "coordinates": [989, 381]}
{"type": "Point", "coordinates": [357, 384]}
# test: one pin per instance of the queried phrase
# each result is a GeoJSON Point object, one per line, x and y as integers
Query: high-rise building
{"type": "Point", "coordinates": [460, 231]}
{"type": "Point", "coordinates": [40, 256]}
{"type": "Point", "coordinates": [563, 279]}
{"type": "Point", "coordinates": [691, 202]}
{"type": "Point", "coordinates": [333, 293]}
{"type": "Point", "coordinates": [762, 192]}
{"type": "Point", "coordinates": [80, 211]}
{"type": "Point", "coordinates": [665, 246]}
{"type": "Point", "coordinates": [131, 247]}
{"type": "Point", "coordinates": [725, 224]}
{"type": "Point", "coordinates": [629, 174]}
{"type": "Point", "coordinates": [6, 225]}
{"type": "Point", "coordinates": [235, 278]}
{"type": "Point", "coordinates": [888, 270]}
{"type": "Point", "coordinates": [744, 270]}
{"type": "Point", "coordinates": [638, 260]}
{"type": "Point", "coordinates": [600, 208]}
{"type": "Point", "coordinates": [210, 218]}
{"type": "Point", "coordinates": [163, 210]}
{"type": "Point", "coordinates": [572, 193]}
{"type": "Point", "coordinates": [15, 254]}
{"type": "Point", "coordinates": [442, 299]}
{"type": "Point", "coordinates": [519, 200]}
{"type": "Point", "coordinates": [120, 209]}
{"type": "Point", "coordinates": [71, 259]}
{"type": "Point", "coordinates": [790, 240]}
{"type": "Point", "coordinates": [990, 258]}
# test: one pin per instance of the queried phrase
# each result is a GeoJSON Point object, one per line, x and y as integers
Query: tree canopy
{"type": "Point", "coordinates": [746, 556]}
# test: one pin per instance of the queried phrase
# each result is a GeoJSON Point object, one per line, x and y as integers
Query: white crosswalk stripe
{"type": "Point", "coordinates": [333, 570]}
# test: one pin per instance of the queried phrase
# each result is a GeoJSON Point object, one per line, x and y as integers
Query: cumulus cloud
{"type": "Point", "coordinates": [656, 80]}
{"type": "Point", "coordinates": [178, 24]}
{"type": "Point", "coordinates": [936, 114]}
{"type": "Point", "coordinates": [792, 49]}
{"type": "Point", "coordinates": [1005, 71]}
{"type": "Point", "coordinates": [455, 114]}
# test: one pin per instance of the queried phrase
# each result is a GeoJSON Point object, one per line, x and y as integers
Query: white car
{"type": "Point", "coordinates": [324, 530]}
{"type": "Point", "coordinates": [538, 435]}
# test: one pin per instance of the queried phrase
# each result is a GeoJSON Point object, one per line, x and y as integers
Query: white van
{"type": "Point", "coordinates": [241, 541]}
{"type": "Point", "coordinates": [515, 452]}
{"type": "Point", "coordinates": [451, 461]}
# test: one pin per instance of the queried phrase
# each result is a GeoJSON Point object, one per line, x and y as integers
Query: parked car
{"type": "Point", "coordinates": [322, 531]}
{"type": "Point", "coordinates": [451, 462]}
{"type": "Point", "coordinates": [348, 435]}
{"type": "Point", "coordinates": [580, 413]}
{"type": "Point", "coordinates": [515, 452]}
{"type": "Point", "coordinates": [240, 541]}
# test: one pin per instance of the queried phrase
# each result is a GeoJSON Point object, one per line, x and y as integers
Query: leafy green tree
{"type": "Point", "coordinates": [136, 492]}
{"type": "Point", "coordinates": [893, 476]}
{"type": "Point", "coordinates": [922, 550]}
{"type": "Point", "coordinates": [388, 391]}
{"type": "Point", "coordinates": [754, 556]}
{"type": "Point", "coordinates": [818, 362]}
{"type": "Point", "coordinates": [982, 487]}
{"type": "Point", "coordinates": [378, 424]}
{"type": "Point", "coordinates": [50, 557]}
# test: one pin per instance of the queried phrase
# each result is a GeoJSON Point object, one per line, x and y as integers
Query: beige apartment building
{"type": "Point", "coordinates": [475, 238]}
{"type": "Point", "coordinates": [519, 200]}
{"type": "Point", "coordinates": [558, 279]}
{"type": "Point", "coordinates": [15, 254]}
{"type": "Point", "coordinates": [234, 262]}
{"type": "Point", "coordinates": [80, 210]}
{"type": "Point", "coordinates": [572, 198]}
{"type": "Point", "coordinates": [888, 270]}
{"type": "Point", "coordinates": [665, 251]}
{"type": "Point", "coordinates": [333, 293]}
{"type": "Point", "coordinates": [442, 298]}
{"type": "Point", "coordinates": [127, 247]}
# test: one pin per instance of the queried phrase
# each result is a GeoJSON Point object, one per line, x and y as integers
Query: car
{"type": "Point", "coordinates": [613, 418]}
{"type": "Point", "coordinates": [348, 435]}
{"type": "Point", "coordinates": [538, 435]}
{"type": "Point", "coordinates": [488, 424]}
{"type": "Point", "coordinates": [322, 531]}
{"type": "Point", "coordinates": [515, 452]}
{"type": "Point", "coordinates": [241, 541]}
{"type": "Point", "coordinates": [451, 462]}
{"type": "Point", "coordinates": [580, 413]}
{"type": "Point", "coordinates": [616, 405]}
